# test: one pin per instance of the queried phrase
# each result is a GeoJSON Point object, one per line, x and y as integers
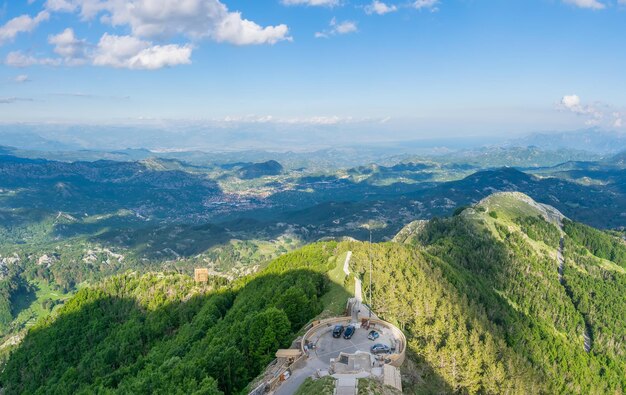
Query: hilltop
{"type": "Point", "coordinates": [256, 170]}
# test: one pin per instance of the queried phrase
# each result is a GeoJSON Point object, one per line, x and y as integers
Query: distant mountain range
{"type": "Point", "coordinates": [591, 140]}
{"type": "Point", "coordinates": [132, 142]}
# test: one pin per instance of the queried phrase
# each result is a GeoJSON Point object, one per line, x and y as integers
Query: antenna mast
{"type": "Point", "coordinates": [370, 254]}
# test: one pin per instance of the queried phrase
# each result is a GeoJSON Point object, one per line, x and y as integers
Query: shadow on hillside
{"type": "Point", "coordinates": [23, 297]}
{"type": "Point", "coordinates": [103, 187]}
{"type": "Point", "coordinates": [20, 216]}
{"type": "Point", "coordinates": [103, 341]}
{"type": "Point", "coordinates": [165, 242]}
{"type": "Point", "coordinates": [112, 341]}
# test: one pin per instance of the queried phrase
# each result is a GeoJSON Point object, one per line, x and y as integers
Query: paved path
{"type": "Point", "coordinates": [357, 290]}
{"type": "Point", "coordinates": [346, 386]}
{"type": "Point", "coordinates": [291, 385]}
{"type": "Point", "coordinates": [346, 263]}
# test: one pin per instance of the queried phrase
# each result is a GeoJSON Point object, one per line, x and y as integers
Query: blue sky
{"type": "Point", "coordinates": [465, 67]}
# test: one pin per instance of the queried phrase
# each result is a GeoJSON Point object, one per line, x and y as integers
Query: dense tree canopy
{"type": "Point", "coordinates": [163, 334]}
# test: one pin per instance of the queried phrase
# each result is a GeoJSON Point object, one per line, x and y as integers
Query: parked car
{"type": "Point", "coordinates": [337, 331]}
{"type": "Point", "coordinates": [349, 332]}
{"type": "Point", "coordinates": [373, 335]}
{"type": "Point", "coordinates": [380, 349]}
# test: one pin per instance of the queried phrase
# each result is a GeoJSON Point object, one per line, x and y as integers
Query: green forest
{"type": "Point", "coordinates": [478, 296]}
{"type": "Point", "coordinates": [160, 333]}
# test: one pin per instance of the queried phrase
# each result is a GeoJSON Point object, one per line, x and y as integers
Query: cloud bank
{"type": "Point", "coordinates": [595, 114]}
{"type": "Point", "coordinates": [152, 23]}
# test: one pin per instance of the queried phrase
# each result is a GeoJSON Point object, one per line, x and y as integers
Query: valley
{"type": "Point", "coordinates": [73, 228]}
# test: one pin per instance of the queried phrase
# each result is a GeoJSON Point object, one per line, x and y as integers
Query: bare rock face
{"type": "Point", "coordinates": [410, 232]}
{"type": "Point", "coordinates": [549, 213]}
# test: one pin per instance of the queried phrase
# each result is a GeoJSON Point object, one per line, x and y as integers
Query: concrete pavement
{"type": "Point", "coordinates": [346, 263]}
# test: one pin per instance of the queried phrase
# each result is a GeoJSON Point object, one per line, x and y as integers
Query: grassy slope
{"type": "Point", "coordinates": [373, 387]}
{"type": "Point", "coordinates": [335, 299]}
{"type": "Point", "coordinates": [323, 386]}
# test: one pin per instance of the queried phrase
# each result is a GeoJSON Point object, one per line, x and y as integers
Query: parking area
{"type": "Point", "coordinates": [327, 347]}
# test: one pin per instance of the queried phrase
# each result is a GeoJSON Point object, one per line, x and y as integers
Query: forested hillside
{"type": "Point", "coordinates": [481, 302]}
{"type": "Point", "coordinates": [479, 296]}
{"type": "Point", "coordinates": [160, 333]}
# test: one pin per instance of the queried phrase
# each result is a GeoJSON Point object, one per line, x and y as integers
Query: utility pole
{"type": "Point", "coordinates": [370, 254]}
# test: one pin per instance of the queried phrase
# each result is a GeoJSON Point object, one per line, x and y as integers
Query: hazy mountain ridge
{"type": "Point", "coordinates": [591, 140]}
{"type": "Point", "coordinates": [258, 170]}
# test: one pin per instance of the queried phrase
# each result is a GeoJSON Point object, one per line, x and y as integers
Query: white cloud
{"type": "Point", "coordinates": [325, 3]}
{"type": "Point", "coordinates": [132, 53]}
{"type": "Point", "coordinates": [592, 113]}
{"type": "Point", "coordinates": [318, 120]}
{"type": "Point", "coordinates": [20, 59]}
{"type": "Point", "coordinates": [425, 4]}
{"type": "Point", "coordinates": [235, 30]}
{"type": "Point", "coordinates": [321, 120]}
{"type": "Point", "coordinates": [343, 27]}
{"type": "Point", "coordinates": [70, 48]}
{"type": "Point", "coordinates": [618, 119]}
{"type": "Point", "coordinates": [20, 79]}
{"type": "Point", "coordinates": [146, 20]}
{"type": "Point", "coordinates": [380, 8]}
{"type": "Point", "coordinates": [111, 51]}
{"type": "Point", "coordinates": [595, 114]}
{"type": "Point", "coordinates": [21, 24]}
{"type": "Point", "coordinates": [570, 102]}
{"type": "Point", "coordinates": [592, 4]}
{"type": "Point", "coordinates": [11, 100]}
{"type": "Point", "coordinates": [194, 19]}
{"type": "Point", "coordinates": [60, 5]}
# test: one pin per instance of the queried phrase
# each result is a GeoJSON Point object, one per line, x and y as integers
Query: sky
{"type": "Point", "coordinates": [406, 68]}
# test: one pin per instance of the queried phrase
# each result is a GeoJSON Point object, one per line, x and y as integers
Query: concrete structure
{"type": "Point", "coordinates": [319, 340]}
{"type": "Point", "coordinates": [289, 353]}
{"type": "Point", "coordinates": [391, 377]}
{"type": "Point", "coordinates": [346, 386]}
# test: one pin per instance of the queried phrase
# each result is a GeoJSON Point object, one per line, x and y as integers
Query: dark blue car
{"type": "Point", "coordinates": [337, 331]}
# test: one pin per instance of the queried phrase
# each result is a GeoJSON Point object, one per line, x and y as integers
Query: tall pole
{"type": "Point", "coordinates": [370, 254]}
